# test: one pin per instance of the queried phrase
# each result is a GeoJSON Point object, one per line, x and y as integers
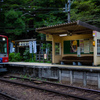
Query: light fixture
{"type": "Point", "coordinates": [63, 35]}
{"type": "Point", "coordinates": [3, 39]}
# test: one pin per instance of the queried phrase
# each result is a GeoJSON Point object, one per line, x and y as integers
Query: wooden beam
{"type": "Point", "coordinates": [88, 26]}
{"type": "Point", "coordinates": [73, 32]}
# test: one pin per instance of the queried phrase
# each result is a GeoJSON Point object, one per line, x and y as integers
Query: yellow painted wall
{"type": "Point", "coordinates": [55, 58]}
{"type": "Point", "coordinates": [96, 57]}
{"type": "Point", "coordinates": [58, 39]}
{"type": "Point", "coordinates": [75, 37]}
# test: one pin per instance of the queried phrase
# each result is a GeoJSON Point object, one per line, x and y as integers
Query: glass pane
{"type": "Point", "coordinates": [3, 47]}
{"type": "Point", "coordinates": [98, 46]}
{"type": "Point", "coordinates": [57, 48]}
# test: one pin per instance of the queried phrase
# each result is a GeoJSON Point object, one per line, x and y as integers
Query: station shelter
{"type": "Point", "coordinates": [74, 39]}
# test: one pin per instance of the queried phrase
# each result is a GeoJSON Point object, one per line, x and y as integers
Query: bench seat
{"type": "Point", "coordinates": [83, 59]}
{"type": "Point", "coordinates": [90, 61]}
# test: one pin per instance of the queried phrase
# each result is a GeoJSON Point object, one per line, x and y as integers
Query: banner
{"type": "Point", "coordinates": [30, 46]}
{"type": "Point", "coordinates": [34, 47]}
{"type": "Point", "coordinates": [73, 46]}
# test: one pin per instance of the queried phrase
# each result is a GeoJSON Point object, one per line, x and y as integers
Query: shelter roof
{"type": "Point", "coordinates": [25, 40]}
{"type": "Point", "coordinates": [77, 27]}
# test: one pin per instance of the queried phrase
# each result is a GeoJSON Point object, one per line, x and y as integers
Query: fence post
{"type": "Point", "coordinates": [59, 76]}
{"type": "Point", "coordinates": [36, 56]}
{"type": "Point", "coordinates": [39, 56]}
{"type": "Point", "coordinates": [51, 57]}
{"type": "Point", "coordinates": [43, 56]}
{"type": "Point", "coordinates": [84, 79]}
{"type": "Point", "coordinates": [99, 80]}
{"type": "Point", "coordinates": [71, 77]}
{"type": "Point", "coordinates": [47, 56]}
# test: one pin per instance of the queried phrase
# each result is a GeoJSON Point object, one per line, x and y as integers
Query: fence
{"type": "Point", "coordinates": [44, 57]}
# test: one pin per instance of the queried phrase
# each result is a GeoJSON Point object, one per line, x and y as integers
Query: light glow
{"type": "Point", "coordinates": [3, 39]}
{"type": "Point", "coordinates": [63, 35]}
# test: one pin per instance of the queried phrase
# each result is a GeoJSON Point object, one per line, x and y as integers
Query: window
{"type": "Point", "coordinates": [3, 45]}
{"type": "Point", "coordinates": [98, 46]}
{"type": "Point", "coordinates": [57, 48]}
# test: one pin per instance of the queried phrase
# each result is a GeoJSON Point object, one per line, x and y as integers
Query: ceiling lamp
{"type": "Point", "coordinates": [63, 35]}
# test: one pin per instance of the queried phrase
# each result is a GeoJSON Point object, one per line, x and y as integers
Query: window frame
{"type": "Point", "coordinates": [59, 48]}
{"type": "Point", "coordinates": [98, 44]}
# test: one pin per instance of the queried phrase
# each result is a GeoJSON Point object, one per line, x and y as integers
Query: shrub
{"type": "Point", "coordinates": [26, 55]}
{"type": "Point", "coordinates": [11, 56]}
{"type": "Point", "coordinates": [29, 57]}
{"type": "Point", "coordinates": [14, 57]}
{"type": "Point", "coordinates": [32, 57]}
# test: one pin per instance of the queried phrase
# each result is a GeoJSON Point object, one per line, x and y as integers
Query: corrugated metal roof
{"type": "Point", "coordinates": [75, 27]}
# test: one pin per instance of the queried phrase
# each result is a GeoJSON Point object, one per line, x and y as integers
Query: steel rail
{"type": "Point", "coordinates": [85, 89]}
{"type": "Point", "coordinates": [8, 96]}
{"type": "Point", "coordinates": [48, 90]}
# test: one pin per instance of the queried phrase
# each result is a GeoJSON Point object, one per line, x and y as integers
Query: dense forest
{"type": "Point", "coordinates": [19, 18]}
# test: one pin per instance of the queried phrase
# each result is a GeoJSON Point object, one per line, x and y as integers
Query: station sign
{"type": "Point", "coordinates": [48, 37]}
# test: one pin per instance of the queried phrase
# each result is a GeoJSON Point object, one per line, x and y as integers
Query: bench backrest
{"type": "Point", "coordinates": [77, 58]}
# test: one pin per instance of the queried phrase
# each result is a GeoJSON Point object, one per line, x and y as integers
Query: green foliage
{"type": "Point", "coordinates": [52, 20]}
{"type": "Point", "coordinates": [30, 78]}
{"type": "Point", "coordinates": [14, 57]}
{"type": "Point", "coordinates": [25, 76]}
{"type": "Point", "coordinates": [17, 16]}
{"type": "Point", "coordinates": [26, 55]}
{"type": "Point", "coordinates": [29, 57]}
{"type": "Point", "coordinates": [48, 61]}
{"type": "Point", "coordinates": [86, 10]}
{"type": "Point", "coordinates": [44, 46]}
{"type": "Point", "coordinates": [12, 78]}
{"type": "Point", "coordinates": [48, 46]}
{"type": "Point", "coordinates": [14, 23]}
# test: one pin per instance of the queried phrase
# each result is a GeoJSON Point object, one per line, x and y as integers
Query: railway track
{"type": "Point", "coordinates": [5, 96]}
{"type": "Point", "coordinates": [65, 90]}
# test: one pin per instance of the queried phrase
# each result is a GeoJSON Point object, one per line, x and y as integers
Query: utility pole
{"type": "Point", "coordinates": [67, 9]}
{"type": "Point", "coordinates": [69, 3]}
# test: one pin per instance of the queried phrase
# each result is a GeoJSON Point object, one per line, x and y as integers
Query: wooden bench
{"type": "Point", "coordinates": [77, 60]}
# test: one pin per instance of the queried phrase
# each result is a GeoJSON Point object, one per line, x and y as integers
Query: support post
{"type": "Point", "coordinates": [39, 56]}
{"type": "Point", "coordinates": [15, 47]}
{"type": "Point", "coordinates": [59, 77]}
{"type": "Point", "coordinates": [99, 80]}
{"type": "Point", "coordinates": [43, 56]}
{"type": "Point", "coordinates": [48, 73]}
{"type": "Point", "coordinates": [84, 79]}
{"type": "Point", "coordinates": [69, 3]}
{"type": "Point", "coordinates": [71, 77]}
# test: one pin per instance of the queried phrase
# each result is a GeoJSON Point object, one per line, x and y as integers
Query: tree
{"type": "Point", "coordinates": [86, 10]}
{"type": "Point", "coordinates": [16, 18]}
{"type": "Point", "coordinates": [14, 22]}
{"type": "Point", "coordinates": [31, 14]}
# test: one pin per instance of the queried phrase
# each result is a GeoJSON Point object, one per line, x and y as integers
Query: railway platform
{"type": "Point", "coordinates": [49, 65]}
{"type": "Point", "coordinates": [86, 75]}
